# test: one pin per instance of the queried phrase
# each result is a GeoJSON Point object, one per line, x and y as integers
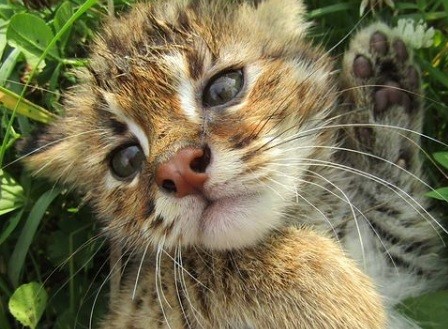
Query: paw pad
{"type": "Point", "coordinates": [362, 67]}
{"type": "Point", "coordinates": [401, 51]}
{"type": "Point", "coordinates": [382, 85]}
{"type": "Point", "coordinates": [391, 94]}
{"type": "Point", "coordinates": [379, 44]}
{"type": "Point", "coordinates": [386, 65]}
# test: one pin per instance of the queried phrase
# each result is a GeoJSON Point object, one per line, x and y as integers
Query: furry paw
{"type": "Point", "coordinates": [382, 86]}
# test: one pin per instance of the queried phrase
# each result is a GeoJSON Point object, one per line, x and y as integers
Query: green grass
{"type": "Point", "coordinates": [46, 235]}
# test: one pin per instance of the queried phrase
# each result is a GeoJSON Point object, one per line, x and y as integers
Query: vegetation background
{"type": "Point", "coordinates": [53, 258]}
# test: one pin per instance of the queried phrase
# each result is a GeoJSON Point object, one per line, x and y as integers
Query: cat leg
{"type": "Point", "coordinates": [382, 89]}
{"type": "Point", "coordinates": [394, 238]}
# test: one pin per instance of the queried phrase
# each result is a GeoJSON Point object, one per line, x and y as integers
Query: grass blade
{"type": "Point", "coordinates": [17, 259]}
{"type": "Point", "coordinates": [12, 102]}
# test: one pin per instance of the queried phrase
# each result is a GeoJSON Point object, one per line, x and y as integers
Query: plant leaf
{"type": "Point", "coordinates": [429, 310]}
{"type": "Point", "coordinates": [2, 38]}
{"type": "Point", "coordinates": [30, 34]}
{"type": "Point", "coordinates": [331, 9]}
{"type": "Point", "coordinates": [63, 14]}
{"type": "Point", "coordinates": [9, 100]}
{"type": "Point", "coordinates": [11, 194]}
{"type": "Point", "coordinates": [17, 259]}
{"type": "Point", "coordinates": [442, 158]}
{"type": "Point", "coordinates": [8, 65]}
{"type": "Point", "coordinates": [27, 303]}
{"type": "Point", "coordinates": [434, 73]}
{"type": "Point", "coordinates": [439, 194]}
{"type": "Point", "coordinates": [9, 228]}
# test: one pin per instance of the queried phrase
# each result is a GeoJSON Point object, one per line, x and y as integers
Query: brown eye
{"type": "Point", "coordinates": [126, 161]}
{"type": "Point", "coordinates": [223, 88]}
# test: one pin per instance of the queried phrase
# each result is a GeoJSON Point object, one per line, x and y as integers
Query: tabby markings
{"type": "Point", "coordinates": [134, 128]}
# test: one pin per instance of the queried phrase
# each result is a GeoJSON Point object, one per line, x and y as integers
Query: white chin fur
{"type": "Point", "coordinates": [236, 222]}
{"type": "Point", "coordinates": [227, 223]}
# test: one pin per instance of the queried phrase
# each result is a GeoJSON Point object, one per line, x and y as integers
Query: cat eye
{"type": "Point", "coordinates": [125, 162]}
{"type": "Point", "coordinates": [222, 88]}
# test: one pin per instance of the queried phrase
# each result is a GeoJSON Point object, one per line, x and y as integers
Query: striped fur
{"type": "Point", "coordinates": [300, 155]}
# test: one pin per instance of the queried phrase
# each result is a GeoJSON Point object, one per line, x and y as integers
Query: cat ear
{"type": "Point", "coordinates": [49, 153]}
{"type": "Point", "coordinates": [281, 17]}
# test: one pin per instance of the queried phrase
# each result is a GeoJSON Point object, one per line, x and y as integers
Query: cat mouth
{"type": "Point", "coordinates": [224, 205]}
{"type": "Point", "coordinates": [230, 222]}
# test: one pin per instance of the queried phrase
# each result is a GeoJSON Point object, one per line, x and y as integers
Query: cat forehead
{"type": "Point", "coordinates": [157, 59]}
{"type": "Point", "coordinates": [152, 50]}
{"type": "Point", "coordinates": [158, 46]}
{"type": "Point", "coordinates": [165, 39]}
{"type": "Point", "coordinates": [154, 55]}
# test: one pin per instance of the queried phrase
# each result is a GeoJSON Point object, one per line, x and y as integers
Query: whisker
{"type": "Point", "coordinates": [370, 155]}
{"type": "Point", "coordinates": [176, 272]}
{"type": "Point", "coordinates": [159, 286]}
{"type": "Point", "coordinates": [139, 269]}
{"type": "Point", "coordinates": [95, 300]}
{"type": "Point", "coordinates": [195, 312]}
{"type": "Point", "coordinates": [405, 197]}
{"type": "Point", "coordinates": [79, 269]}
{"type": "Point", "coordinates": [37, 150]}
{"type": "Point", "coordinates": [186, 271]}
{"type": "Point", "coordinates": [426, 98]}
{"type": "Point", "coordinates": [298, 195]}
{"type": "Point", "coordinates": [396, 189]}
{"type": "Point", "coordinates": [351, 125]}
{"type": "Point", "coordinates": [347, 200]}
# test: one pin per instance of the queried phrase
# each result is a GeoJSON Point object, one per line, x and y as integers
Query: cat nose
{"type": "Point", "coordinates": [184, 173]}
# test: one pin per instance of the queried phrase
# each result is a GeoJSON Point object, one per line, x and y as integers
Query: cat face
{"type": "Point", "coordinates": [193, 123]}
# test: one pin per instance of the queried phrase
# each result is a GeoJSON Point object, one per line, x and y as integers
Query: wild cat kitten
{"type": "Point", "coordinates": [226, 152]}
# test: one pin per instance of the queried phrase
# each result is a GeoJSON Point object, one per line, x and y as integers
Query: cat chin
{"type": "Point", "coordinates": [226, 223]}
{"type": "Point", "coordinates": [236, 222]}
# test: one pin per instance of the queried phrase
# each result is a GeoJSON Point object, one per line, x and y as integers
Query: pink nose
{"type": "Point", "coordinates": [184, 173]}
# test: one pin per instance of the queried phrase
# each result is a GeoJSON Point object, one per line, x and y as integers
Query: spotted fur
{"type": "Point", "coordinates": [301, 154]}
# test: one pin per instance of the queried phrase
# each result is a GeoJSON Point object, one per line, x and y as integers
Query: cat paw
{"type": "Point", "coordinates": [386, 66]}
{"type": "Point", "coordinates": [382, 96]}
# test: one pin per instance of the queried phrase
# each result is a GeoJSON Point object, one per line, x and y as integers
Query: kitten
{"type": "Point", "coordinates": [215, 142]}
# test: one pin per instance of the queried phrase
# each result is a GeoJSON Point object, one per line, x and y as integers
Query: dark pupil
{"type": "Point", "coordinates": [127, 161]}
{"type": "Point", "coordinates": [223, 88]}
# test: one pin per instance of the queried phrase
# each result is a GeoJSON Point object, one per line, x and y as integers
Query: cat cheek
{"type": "Point", "coordinates": [53, 160]}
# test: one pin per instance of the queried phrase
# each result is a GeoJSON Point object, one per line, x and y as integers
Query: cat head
{"type": "Point", "coordinates": [193, 123]}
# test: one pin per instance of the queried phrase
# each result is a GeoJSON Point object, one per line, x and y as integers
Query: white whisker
{"type": "Point", "coordinates": [95, 300]}
{"type": "Point", "coordinates": [159, 285]}
{"type": "Point", "coordinates": [351, 125]}
{"type": "Point", "coordinates": [139, 269]}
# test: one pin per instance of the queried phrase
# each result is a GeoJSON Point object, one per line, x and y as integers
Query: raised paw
{"type": "Point", "coordinates": [382, 90]}
{"type": "Point", "coordinates": [381, 66]}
